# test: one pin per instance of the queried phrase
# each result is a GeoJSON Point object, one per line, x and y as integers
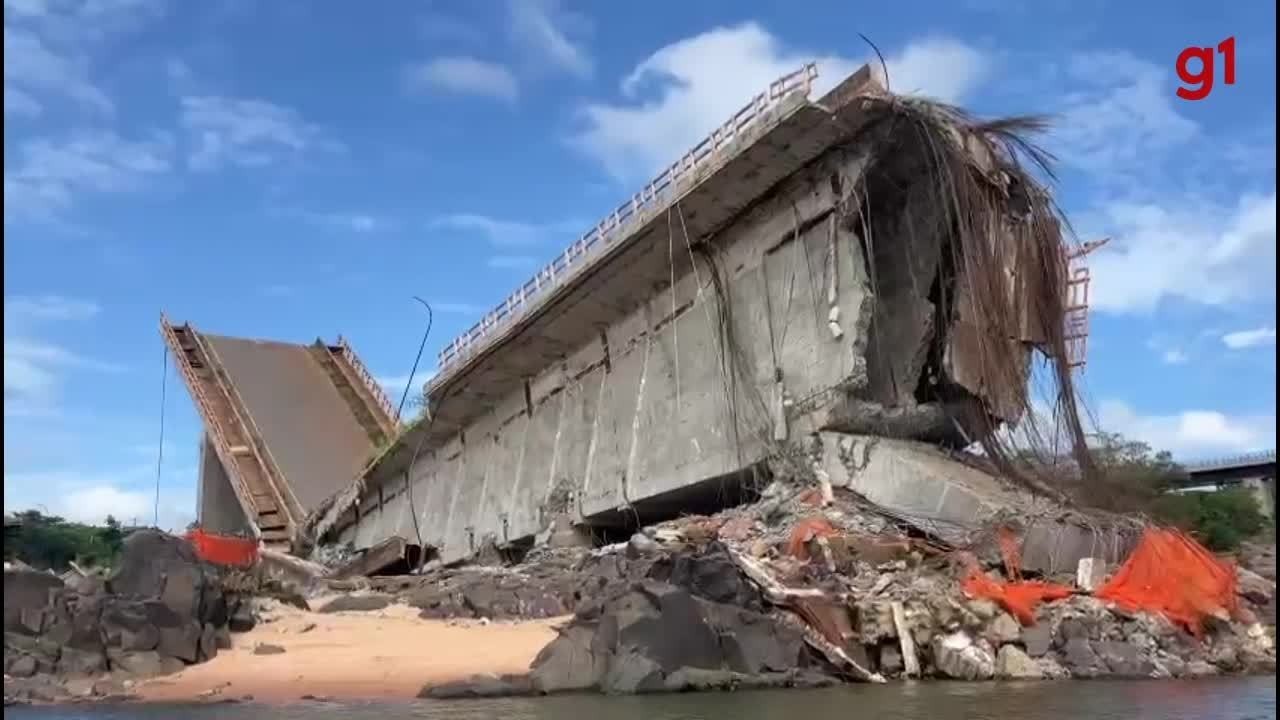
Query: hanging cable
{"type": "Point", "coordinates": [164, 382]}
{"type": "Point", "coordinates": [413, 505]}
{"type": "Point", "coordinates": [418, 358]}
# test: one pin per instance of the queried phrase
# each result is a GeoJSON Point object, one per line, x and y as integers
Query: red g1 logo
{"type": "Point", "coordinates": [1195, 69]}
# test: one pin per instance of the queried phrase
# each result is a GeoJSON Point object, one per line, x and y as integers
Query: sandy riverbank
{"type": "Point", "coordinates": [390, 653]}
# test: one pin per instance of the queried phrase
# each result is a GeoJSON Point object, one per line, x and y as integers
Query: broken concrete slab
{"type": "Point", "coordinates": [954, 501]}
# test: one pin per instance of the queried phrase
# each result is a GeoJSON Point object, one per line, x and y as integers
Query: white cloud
{"type": "Point", "coordinates": [1119, 114]}
{"type": "Point", "coordinates": [49, 174]}
{"type": "Point", "coordinates": [89, 496]}
{"type": "Point", "coordinates": [1191, 433]}
{"type": "Point", "coordinates": [1174, 357]}
{"type": "Point", "coordinates": [20, 104]}
{"type": "Point", "coordinates": [507, 233]}
{"type": "Point", "coordinates": [394, 387]}
{"type": "Point", "coordinates": [1194, 251]}
{"type": "Point", "coordinates": [245, 132]}
{"type": "Point", "coordinates": [464, 75]}
{"type": "Point", "coordinates": [35, 368]}
{"type": "Point", "coordinates": [541, 26]}
{"type": "Point", "coordinates": [25, 308]}
{"type": "Point", "coordinates": [33, 68]}
{"type": "Point", "coordinates": [684, 90]}
{"type": "Point", "coordinates": [1242, 339]}
{"type": "Point", "coordinates": [51, 49]}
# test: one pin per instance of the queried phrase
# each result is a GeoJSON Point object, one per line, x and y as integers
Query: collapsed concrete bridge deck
{"type": "Point", "coordinates": [794, 274]}
{"type": "Point", "coordinates": [286, 426]}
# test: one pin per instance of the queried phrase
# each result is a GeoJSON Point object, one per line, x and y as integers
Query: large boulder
{"type": "Point", "coordinates": [960, 657]}
{"type": "Point", "coordinates": [1123, 659]}
{"type": "Point", "coordinates": [713, 575]}
{"type": "Point", "coordinates": [27, 593]}
{"type": "Point", "coordinates": [569, 662]}
{"type": "Point", "coordinates": [1015, 664]}
{"type": "Point", "coordinates": [658, 637]}
{"type": "Point", "coordinates": [356, 603]}
{"type": "Point", "coordinates": [155, 564]}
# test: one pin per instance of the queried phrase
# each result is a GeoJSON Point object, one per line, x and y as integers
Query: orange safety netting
{"type": "Point", "coordinates": [1176, 576]}
{"type": "Point", "coordinates": [222, 550]}
{"type": "Point", "coordinates": [1019, 597]}
{"type": "Point", "coordinates": [805, 531]}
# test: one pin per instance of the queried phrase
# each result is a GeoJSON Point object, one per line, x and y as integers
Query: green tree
{"type": "Point", "coordinates": [1134, 478]}
{"type": "Point", "coordinates": [48, 541]}
{"type": "Point", "coordinates": [1130, 475]}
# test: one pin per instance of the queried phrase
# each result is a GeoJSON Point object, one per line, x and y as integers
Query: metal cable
{"type": "Point", "coordinates": [164, 382]}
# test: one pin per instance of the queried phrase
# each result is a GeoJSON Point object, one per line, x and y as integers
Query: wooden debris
{"type": "Point", "coordinates": [910, 662]}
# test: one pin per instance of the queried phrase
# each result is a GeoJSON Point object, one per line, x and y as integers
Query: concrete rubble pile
{"type": "Point", "coordinates": [160, 610]}
{"type": "Point", "coordinates": [753, 596]}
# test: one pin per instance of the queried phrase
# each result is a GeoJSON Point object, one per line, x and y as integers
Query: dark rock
{"type": "Point", "coordinates": [640, 545]}
{"type": "Point", "coordinates": [1037, 639]}
{"type": "Point", "coordinates": [479, 686]}
{"type": "Point", "coordinates": [356, 603]}
{"type": "Point", "coordinates": [155, 564]}
{"type": "Point", "coordinates": [890, 659]}
{"type": "Point", "coordinates": [713, 575]}
{"type": "Point", "coordinates": [1015, 664]}
{"type": "Point", "coordinates": [146, 637]}
{"type": "Point", "coordinates": [86, 625]}
{"type": "Point", "coordinates": [214, 606]}
{"type": "Point", "coordinates": [208, 648]}
{"type": "Point", "coordinates": [1072, 629]}
{"type": "Point", "coordinates": [30, 621]}
{"type": "Point", "coordinates": [267, 649]}
{"type": "Point", "coordinates": [1123, 659]}
{"type": "Point", "coordinates": [632, 673]}
{"type": "Point", "coordinates": [181, 641]}
{"type": "Point", "coordinates": [568, 662]}
{"type": "Point", "coordinates": [666, 625]}
{"type": "Point", "coordinates": [243, 619]}
{"type": "Point", "coordinates": [959, 657]}
{"type": "Point", "coordinates": [484, 599]}
{"type": "Point", "coordinates": [142, 664]}
{"type": "Point", "coordinates": [656, 637]}
{"type": "Point", "coordinates": [36, 689]}
{"type": "Point", "coordinates": [1080, 660]}
{"type": "Point", "coordinates": [127, 624]}
{"type": "Point", "coordinates": [222, 637]}
{"type": "Point", "coordinates": [1253, 587]}
{"type": "Point", "coordinates": [22, 666]}
{"type": "Point", "coordinates": [27, 592]}
{"type": "Point", "coordinates": [74, 661]}
{"type": "Point", "coordinates": [752, 643]}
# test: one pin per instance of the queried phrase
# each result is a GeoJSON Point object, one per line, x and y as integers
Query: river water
{"type": "Point", "coordinates": [1206, 699]}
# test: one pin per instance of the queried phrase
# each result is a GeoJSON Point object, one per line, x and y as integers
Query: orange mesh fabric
{"type": "Point", "coordinates": [1174, 575]}
{"type": "Point", "coordinates": [224, 550]}
{"type": "Point", "coordinates": [805, 531]}
{"type": "Point", "coordinates": [1019, 597]}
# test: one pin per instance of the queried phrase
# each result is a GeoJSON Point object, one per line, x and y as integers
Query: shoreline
{"type": "Point", "coordinates": [389, 654]}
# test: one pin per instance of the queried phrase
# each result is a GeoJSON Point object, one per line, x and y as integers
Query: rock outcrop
{"type": "Point", "coordinates": [162, 609]}
{"type": "Point", "coordinates": [658, 637]}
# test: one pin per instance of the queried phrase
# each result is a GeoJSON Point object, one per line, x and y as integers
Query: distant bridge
{"type": "Point", "coordinates": [1256, 471]}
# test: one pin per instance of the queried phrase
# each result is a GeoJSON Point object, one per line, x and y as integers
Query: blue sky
{"type": "Point", "coordinates": [292, 169]}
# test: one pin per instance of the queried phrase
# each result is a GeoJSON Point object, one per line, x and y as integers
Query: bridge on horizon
{"type": "Point", "coordinates": [1255, 471]}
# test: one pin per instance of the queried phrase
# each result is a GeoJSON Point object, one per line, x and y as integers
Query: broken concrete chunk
{"type": "Point", "coordinates": [1091, 573]}
{"type": "Point", "coordinates": [959, 657]}
{"type": "Point", "coordinates": [1014, 664]}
